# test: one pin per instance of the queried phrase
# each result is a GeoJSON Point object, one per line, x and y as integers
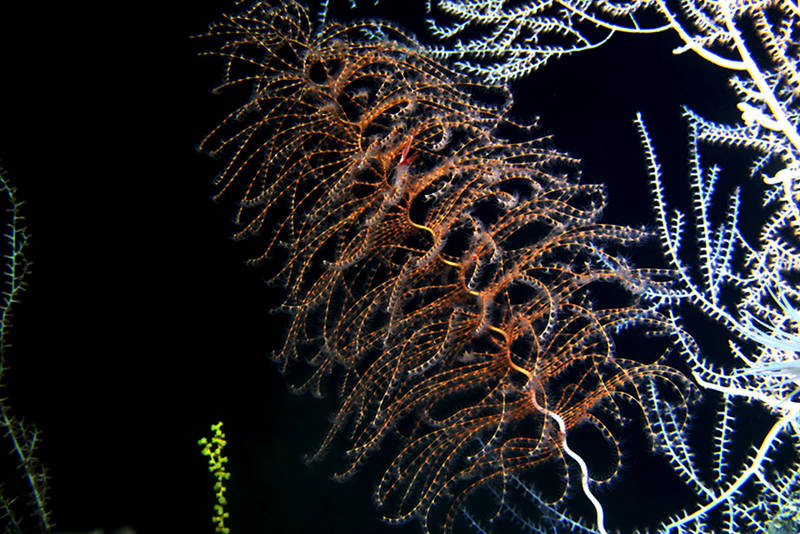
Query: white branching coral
{"type": "Point", "coordinates": [744, 279]}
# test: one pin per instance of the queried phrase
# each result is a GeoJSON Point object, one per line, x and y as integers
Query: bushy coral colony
{"type": "Point", "coordinates": [440, 261]}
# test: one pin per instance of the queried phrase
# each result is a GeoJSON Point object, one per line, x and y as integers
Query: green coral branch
{"type": "Point", "coordinates": [22, 438]}
{"type": "Point", "coordinates": [216, 466]}
{"type": "Point", "coordinates": [17, 265]}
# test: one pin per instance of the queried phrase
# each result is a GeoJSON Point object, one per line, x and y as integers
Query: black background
{"type": "Point", "coordinates": [141, 326]}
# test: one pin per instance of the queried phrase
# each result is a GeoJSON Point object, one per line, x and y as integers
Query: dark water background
{"type": "Point", "coordinates": [141, 325]}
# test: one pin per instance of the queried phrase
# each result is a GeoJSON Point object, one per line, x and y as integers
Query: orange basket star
{"type": "Point", "coordinates": [435, 257]}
